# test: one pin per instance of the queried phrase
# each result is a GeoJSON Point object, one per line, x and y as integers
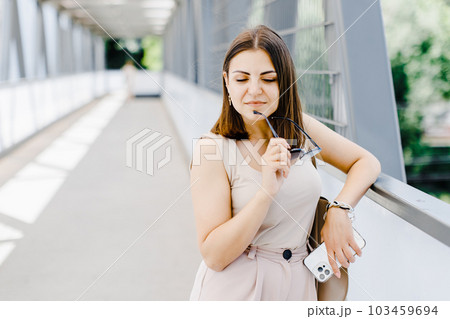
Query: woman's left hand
{"type": "Point", "coordinates": [337, 232]}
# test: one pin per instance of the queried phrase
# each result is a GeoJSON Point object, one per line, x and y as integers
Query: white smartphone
{"type": "Point", "coordinates": [317, 260]}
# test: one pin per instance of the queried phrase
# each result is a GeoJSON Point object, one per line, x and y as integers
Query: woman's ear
{"type": "Point", "coordinates": [225, 77]}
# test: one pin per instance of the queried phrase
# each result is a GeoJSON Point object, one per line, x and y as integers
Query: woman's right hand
{"type": "Point", "coordinates": [276, 165]}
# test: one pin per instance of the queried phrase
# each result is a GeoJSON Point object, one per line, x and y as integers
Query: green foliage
{"type": "Point", "coordinates": [420, 61]}
{"type": "Point", "coordinates": [119, 51]}
{"type": "Point", "coordinates": [400, 79]}
{"type": "Point", "coordinates": [152, 59]}
{"type": "Point", "coordinates": [418, 39]}
{"type": "Point", "coordinates": [411, 132]}
{"type": "Point", "coordinates": [147, 52]}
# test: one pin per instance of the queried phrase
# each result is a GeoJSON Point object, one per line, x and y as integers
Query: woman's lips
{"type": "Point", "coordinates": [255, 103]}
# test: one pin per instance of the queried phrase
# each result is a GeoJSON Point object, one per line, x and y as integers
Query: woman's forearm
{"type": "Point", "coordinates": [337, 227]}
{"type": "Point", "coordinates": [359, 179]}
{"type": "Point", "coordinates": [229, 240]}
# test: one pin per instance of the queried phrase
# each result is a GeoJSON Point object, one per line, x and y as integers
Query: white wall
{"type": "Point", "coordinates": [193, 109]}
{"type": "Point", "coordinates": [29, 106]}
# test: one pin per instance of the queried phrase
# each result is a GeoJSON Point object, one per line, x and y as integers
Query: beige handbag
{"type": "Point", "coordinates": [334, 289]}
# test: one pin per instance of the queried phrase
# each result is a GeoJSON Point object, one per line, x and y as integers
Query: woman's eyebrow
{"type": "Point", "coordinates": [262, 73]}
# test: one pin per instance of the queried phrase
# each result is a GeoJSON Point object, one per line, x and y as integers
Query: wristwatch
{"type": "Point", "coordinates": [347, 207]}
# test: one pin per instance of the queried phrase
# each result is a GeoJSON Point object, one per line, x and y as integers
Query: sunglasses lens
{"type": "Point", "coordinates": [311, 153]}
{"type": "Point", "coordinates": [283, 127]}
{"type": "Point", "coordinates": [297, 153]}
{"type": "Point", "coordinates": [315, 151]}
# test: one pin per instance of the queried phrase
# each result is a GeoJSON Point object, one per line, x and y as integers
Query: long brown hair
{"type": "Point", "coordinates": [230, 123]}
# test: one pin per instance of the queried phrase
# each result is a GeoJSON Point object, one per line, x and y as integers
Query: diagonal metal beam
{"type": "Point", "coordinates": [41, 49]}
{"type": "Point", "coordinates": [16, 36]}
{"type": "Point", "coordinates": [5, 38]}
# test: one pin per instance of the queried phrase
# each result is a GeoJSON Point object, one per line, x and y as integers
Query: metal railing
{"type": "Point", "coordinates": [424, 211]}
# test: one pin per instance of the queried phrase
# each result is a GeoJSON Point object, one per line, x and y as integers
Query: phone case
{"type": "Point", "coordinates": [317, 260]}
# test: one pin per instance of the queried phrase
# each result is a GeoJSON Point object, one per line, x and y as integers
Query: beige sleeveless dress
{"type": "Point", "coordinates": [261, 272]}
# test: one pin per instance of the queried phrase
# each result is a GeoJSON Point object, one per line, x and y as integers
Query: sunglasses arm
{"type": "Point", "coordinates": [267, 120]}
{"type": "Point", "coordinates": [296, 125]}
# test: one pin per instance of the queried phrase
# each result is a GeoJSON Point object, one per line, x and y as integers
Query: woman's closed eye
{"type": "Point", "coordinates": [265, 80]}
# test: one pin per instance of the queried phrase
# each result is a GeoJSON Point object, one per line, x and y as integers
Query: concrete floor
{"type": "Point", "coordinates": [75, 248]}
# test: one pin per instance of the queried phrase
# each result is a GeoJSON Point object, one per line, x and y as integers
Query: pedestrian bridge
{"type": "Point", "coordinates": [94, 184]}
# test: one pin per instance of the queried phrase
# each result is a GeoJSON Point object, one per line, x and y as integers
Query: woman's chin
{"type": "Point", "coordinates": [252, 118]}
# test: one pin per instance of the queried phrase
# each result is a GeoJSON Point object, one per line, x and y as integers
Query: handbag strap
{"type": "Point", "coordinates": [308, 243]}
{"type": "Point", "coordinates": [335, 289]}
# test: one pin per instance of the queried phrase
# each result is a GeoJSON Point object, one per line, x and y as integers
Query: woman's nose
{"type": "Point", "coordinates": [255, 88]}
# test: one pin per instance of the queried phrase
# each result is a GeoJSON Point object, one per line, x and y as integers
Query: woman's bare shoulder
{"type": "Point", "coordinates": [208, 152]}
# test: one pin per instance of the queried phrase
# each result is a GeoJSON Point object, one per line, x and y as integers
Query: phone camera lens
{"type": "Point", "coordinates": [322, 276]}
{"type": "Point", "coordinates": [327, 272]}
{"type": "Point", "coordinates": [320, 269]}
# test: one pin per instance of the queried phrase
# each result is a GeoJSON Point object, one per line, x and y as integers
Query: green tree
{"type": "Point", "coordinates": [418, 39]}
{"type": "Point", "coordinates": [152, 58]}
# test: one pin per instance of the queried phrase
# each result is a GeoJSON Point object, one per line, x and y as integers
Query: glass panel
{"type": "Point", "coordinates": [256, 15]}
{"type": "Point", "coordinates": [311, 60]}
{"type": "Point", "coordinates": [315, 94]}
{"type": "Point", "coordinates": [2, 27]}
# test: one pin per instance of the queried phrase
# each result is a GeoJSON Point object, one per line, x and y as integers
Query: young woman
{"type": "Point", "coordinates": [254, 207]}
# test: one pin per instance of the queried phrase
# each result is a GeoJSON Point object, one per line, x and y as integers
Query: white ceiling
{"type": "Point", "coordinates": [120, 18]}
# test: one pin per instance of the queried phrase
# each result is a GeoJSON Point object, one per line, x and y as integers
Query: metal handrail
{"type": "Point", "coordinates": [21, 81]}
{"type": "Point", "coordinates": [424, 211]}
